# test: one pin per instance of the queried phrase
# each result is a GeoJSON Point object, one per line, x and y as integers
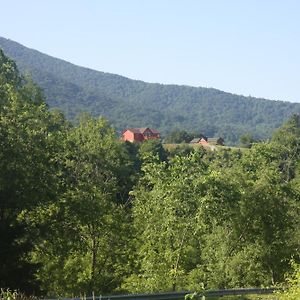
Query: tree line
{"type": "Point", "coordinates": [81, 211]}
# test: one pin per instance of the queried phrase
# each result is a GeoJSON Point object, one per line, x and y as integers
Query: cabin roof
{"type": "Point", "coordinates": [142, 130]}
{"type": "Point", "coordinates": [195, 141]}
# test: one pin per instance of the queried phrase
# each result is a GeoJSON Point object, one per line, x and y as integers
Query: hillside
{"type": "Point", "coordinates": [131, 103]}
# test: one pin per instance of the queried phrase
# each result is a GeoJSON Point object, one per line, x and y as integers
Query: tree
{"type": "Point", "coordinates": [88, 220]}
{"type": "Point", "coordinates": [247, 140]}
{"type": "Point", "coordinates": [151, 148]}
{"type": "Point", "coordinates": [292, 291]}
{"type": "Point", "coordinates": [212, 214]}
{"type": "Point", "coordinates": [165, 243]}
{"type": "Point", "coordinates": [29, 141]}
{"type": "Point", "coordinates": [181, 136]}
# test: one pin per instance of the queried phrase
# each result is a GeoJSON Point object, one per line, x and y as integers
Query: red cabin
{"type": "Point", "coordinates": [140, 134]}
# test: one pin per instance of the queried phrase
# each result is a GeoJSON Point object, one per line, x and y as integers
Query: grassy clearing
{"type": "Point", "coordinates": [197, 146]}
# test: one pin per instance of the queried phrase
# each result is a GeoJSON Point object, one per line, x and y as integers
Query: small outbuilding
{"type": "Point", "coordinates": [208, 141]}
{"type": "Point", "coordinates": [195, 141]}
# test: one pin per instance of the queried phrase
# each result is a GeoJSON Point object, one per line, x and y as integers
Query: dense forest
{"type": "Point", "coordinates": [131, 103]}
{"type": "Point", "coordinates": [82, 211]}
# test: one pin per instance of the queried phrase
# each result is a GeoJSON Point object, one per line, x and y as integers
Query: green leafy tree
{"type": "Point", "coordinates": [292, 288]}
{"type": "Point", "coordinates": [85, 247]}
{"type": "Point", "coordinates": [151, 148]}
{"type": "Point", "coordinates": [253, 244]}
{"type": "Point", "coordinates": [166, 241]}
{"type": "Point", "coordinates": [29, 141]}
{"type": "Point", "coordinates": [239, 209]}
{"type": "Point", "coordinates": [247, 140]}
{"type": "Point", "coordinates": [181, 136]}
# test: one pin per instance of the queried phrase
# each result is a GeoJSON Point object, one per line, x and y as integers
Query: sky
{"type": "Point", "coordinates": [246, 47]}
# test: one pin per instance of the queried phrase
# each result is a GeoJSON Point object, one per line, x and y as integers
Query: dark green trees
{"type": "Point", "coordinates": [62, 192]}
{"type": "Point", "coordinates": [152, 148]}
{"type": "Point", "coordinates": [181, 136]}
{"type": "Point", "coordinates": [28, 144]}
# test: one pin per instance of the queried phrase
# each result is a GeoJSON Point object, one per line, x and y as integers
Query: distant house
{"type": "Point", "coordinates": [195, 141]}
{"type": "Point", "coordinates": [208, 141]}
{"type": "Point", "coordinates": [140, 134]}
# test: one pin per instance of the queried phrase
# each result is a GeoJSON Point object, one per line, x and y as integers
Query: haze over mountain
{"type": "Point", "coordinates": [132, 103]}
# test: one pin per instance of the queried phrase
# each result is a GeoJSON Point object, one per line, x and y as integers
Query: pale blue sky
{"type": "Point", "coordinates": [249, 47]}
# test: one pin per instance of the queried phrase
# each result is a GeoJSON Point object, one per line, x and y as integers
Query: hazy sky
{"type": "Point", "coordinates": [249, 47]}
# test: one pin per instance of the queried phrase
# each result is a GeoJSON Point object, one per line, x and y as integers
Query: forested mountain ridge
{"type": "Point", "coordinates": [132, 103]}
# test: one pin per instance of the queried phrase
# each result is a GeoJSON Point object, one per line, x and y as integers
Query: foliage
{"type": "Point", "coordinates": [180, 150]}
{"type": "Point", "coordinates": [247, 140]}
{"type": "Point", "coordinates": [88, 220]}
{"type": "Point", "coordinates": [28, 145]}
{"type": "Point", "coordinates": [7, 294]}
{"type": "Point", "coordinates": [162, 247]}
{"type": "Point", "coordinates": [292, 292]}
{"type": "Point", "coordinates": [181, 136]}
{"type": "Point", "coordinates": [234, 214]}
{"type": "Point", "coordinates": [151, 148]}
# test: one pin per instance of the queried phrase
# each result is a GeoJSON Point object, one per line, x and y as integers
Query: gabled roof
{"type": "Point", "coordinates": [154, 131]}
{"type": "Point", "coordinates": [195, 141]}
{"type": "Point", "coordinates": [141, 130]}
{"type": "Point", "coordinates": [134, 130]}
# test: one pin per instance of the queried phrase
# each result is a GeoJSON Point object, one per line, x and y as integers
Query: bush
{"type": "Point", "coordinates": [292, 292]}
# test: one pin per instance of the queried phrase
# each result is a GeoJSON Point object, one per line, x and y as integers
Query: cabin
{"type": "Point", "coordinates": [139, 134]}
{"type": "Point", "coordinates": [208, 141]}
{"type": "Point", "coordinates": [195, 141]}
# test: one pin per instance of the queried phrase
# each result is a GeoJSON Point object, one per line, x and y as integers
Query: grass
{"type": "Point", "coordinates": [197, 146]}
{"type": "Point", "coordinates": [252, 297]}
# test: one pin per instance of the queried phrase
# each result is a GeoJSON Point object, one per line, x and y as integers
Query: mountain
{"type": "Point", "coordinates": [133, 103]}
